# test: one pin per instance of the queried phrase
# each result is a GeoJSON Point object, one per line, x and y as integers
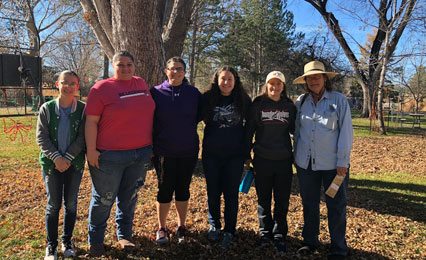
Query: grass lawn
{"type": "Point", "coordinates": [386, 205]}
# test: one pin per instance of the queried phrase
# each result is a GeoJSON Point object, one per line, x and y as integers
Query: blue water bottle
{"type": "Point", "coordinates": [247, 181]}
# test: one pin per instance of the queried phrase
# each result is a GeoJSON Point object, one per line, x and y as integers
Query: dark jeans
{"type": "Point", "coordinates": [119, 178]}
{"type": "Point", "coordinates": [273, 177]}
{"type": "Point", "coordinates": [61, 185]}
{"type": "Point", "coordinates": [310, 187]}
{"type": "Point", "coordinates": [174, 176]}
{"type": "Point", "coordinates": [223, 175]}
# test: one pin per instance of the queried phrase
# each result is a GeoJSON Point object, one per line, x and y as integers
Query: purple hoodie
{"type": "Point", "coordinates": [177, 113]}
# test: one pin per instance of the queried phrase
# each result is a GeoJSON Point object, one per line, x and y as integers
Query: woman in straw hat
{"type": "Point", "coordinates": [323, 142]}
{"type": "Point", "coordinates": [272, 117]}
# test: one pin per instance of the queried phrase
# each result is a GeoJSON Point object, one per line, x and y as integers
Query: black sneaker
{"type": "Point", "coordinates": [180, 234]}
{"type": "Point", "coordinates": [213, 234]}
{"type": "Point", "coordinates": [227, 239]}
{"type": "Point", "coordinates": [68, 249]}
{"type": "Point", "coordinates": [264, 239]}
{"type": "Point", "coordinates": [162, 236]}
{"type": "Point", "coordinates": [306, 250]}
{"type": "Point", "coordinates": [279, 243]}
{"type": "Point", "coordinates": [51, 253]}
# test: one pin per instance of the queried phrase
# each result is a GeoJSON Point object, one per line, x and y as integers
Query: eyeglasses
{"type": "Point", "coordinates": [72, 84]}
{"type": "Point", "coordinates": [178, 69]}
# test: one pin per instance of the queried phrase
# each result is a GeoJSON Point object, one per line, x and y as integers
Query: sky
{"type": "Point", "coordinates": [308, 20]}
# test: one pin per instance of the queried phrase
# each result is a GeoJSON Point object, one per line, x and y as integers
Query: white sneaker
{"type": "Point", "coordinates": [51, 253]}
{"type": "Point", "coordinates": [68, 249]}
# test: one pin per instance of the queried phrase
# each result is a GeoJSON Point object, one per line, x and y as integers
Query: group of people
{"type": "Point", "coordinates": [124, 126]}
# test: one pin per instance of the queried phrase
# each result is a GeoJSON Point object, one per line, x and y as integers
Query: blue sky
{"type": "Point", "coordinates": [308, 20]}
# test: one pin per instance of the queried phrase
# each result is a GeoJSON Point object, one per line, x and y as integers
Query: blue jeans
{"type": "Point", "coordinates": [61, 185]}
{"type": "Point", "coordinates": [120, 176]}
{"type": "Point", "coordinates": [310, 187]}
{"type": "Point", "coordinates": [223, 175]}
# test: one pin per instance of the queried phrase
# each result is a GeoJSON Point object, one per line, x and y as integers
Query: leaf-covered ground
{"type": "Point", "coordinates": [383, 223]}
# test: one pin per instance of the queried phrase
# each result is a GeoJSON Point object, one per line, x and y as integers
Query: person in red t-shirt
{"type": "Point", "coordinates": [119, 122]}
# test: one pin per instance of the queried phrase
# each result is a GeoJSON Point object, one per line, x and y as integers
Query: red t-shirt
{"type": "Point", "coordinates": [126, 111]}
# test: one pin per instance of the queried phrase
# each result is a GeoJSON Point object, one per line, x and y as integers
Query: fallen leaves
{"type": "Point", "coordinates": [375, 228]}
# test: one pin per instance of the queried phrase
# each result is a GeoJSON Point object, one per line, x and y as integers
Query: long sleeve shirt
{"type": "Point", "coordinates": [224, 133]}
{"type": "Point", "coordinates": [271, 122]}
{"type": "Point", "coordinates": [324, 132]}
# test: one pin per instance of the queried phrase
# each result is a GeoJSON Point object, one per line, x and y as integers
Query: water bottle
{"type": "Point", "coordinates": [247, 181]}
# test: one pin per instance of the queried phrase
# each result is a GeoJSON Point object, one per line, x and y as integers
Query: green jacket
{"type": "Point", "coordinates": [47, 135]}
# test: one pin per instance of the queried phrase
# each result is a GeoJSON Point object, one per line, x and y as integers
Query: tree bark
{"type": "Point", "coordinates": [137, 26]}
{"type": "Point", "coordinates": [177, 28]}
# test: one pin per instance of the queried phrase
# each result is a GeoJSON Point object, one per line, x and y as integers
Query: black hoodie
{"type": "Point", "coordinates": [272, 121]}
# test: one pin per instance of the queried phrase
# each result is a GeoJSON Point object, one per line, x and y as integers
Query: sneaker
{"type": "Point", "coordinates": [51, 253]}
{"type": "Point", "coordinates": [227, 239]}
{"type": "Point", "coordinates": [162, 236]}
{"type": "Point", "coordinates": [279, 243]}
{"type": "Point", "coordinates": [265, 239]}
{"type": "Point", "coordinates": [126, 244]}
{"type": "Point", "coordinates": [97, 250]}
{"type": "Point", "coordinates": [68, 249]}
{"type": "Point", "coordinates": [180, 234]}
{"type": "Point", "coordinates": [213, 235]}
{"type": "Point", "coordinates": [306, 250]}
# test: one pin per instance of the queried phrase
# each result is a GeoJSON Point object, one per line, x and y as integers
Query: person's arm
{"type": "Point", "coordinates": [44, 140]}
{"type": "Point", "coordinates": [199, 107]}
{"type": "Point", "coordinates": [298, 105]}
{"type": "Point", "coordinates": [249, 132]}
{"type": "Point", "coordinates": [345, 139]}
{"type": "Point", "coordinates": [78, 144]}
{"type": "Point", "coordinates": [91, 134]}
{"type": "Point", "coordinates": [292, 124]}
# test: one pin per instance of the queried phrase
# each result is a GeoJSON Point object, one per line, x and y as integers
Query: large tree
{"type": "Point", "coordinates": [76, 48]}
{"type": "Point", "coordinates": [259, 39]}
{"type": "Point", "coordinates": [391, 19]}
{"type": "Point", "coordinates": [208, 25]}
{"type": "Point", "coordinates": [33, 23]}
{"type": "Point", "coordinates": [152, 31]}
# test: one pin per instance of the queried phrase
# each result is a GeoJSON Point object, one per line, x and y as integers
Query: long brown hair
{"type": "Point", "coordinates": [239, 93]}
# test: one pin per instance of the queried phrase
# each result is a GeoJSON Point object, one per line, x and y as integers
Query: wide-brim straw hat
{"type": "Point", "coordinates": [312, 68]}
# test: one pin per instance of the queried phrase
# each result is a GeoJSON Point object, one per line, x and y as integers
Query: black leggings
{"type": "Point", "coordinates": [174, 175]}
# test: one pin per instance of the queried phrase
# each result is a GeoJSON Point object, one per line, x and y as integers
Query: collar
{"type": "Point", "coordinates": [73, 108]}
{"type": "Point", "coordinates": [325, 95]}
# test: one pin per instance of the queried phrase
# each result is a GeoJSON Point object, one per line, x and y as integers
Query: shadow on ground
{"type": "Point", "coordinates": [244, 246]}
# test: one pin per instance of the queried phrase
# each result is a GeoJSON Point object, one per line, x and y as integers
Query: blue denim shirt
{"type": "Point", "coordinates": [323, 132]}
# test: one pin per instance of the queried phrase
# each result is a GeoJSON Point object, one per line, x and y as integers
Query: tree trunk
{"type": "Point", "coordinates": [193, 48]}
{"type": "Point", "coordinates": [106, 67]}
{"type": "Point", "coordinates": [366, 103]}
{"type": "Point", "coordinates": [136, 26]}
{"type": "Point", "coordinates": [177, 28]}
{"type": "Point", "coordinates": [381, 120]}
